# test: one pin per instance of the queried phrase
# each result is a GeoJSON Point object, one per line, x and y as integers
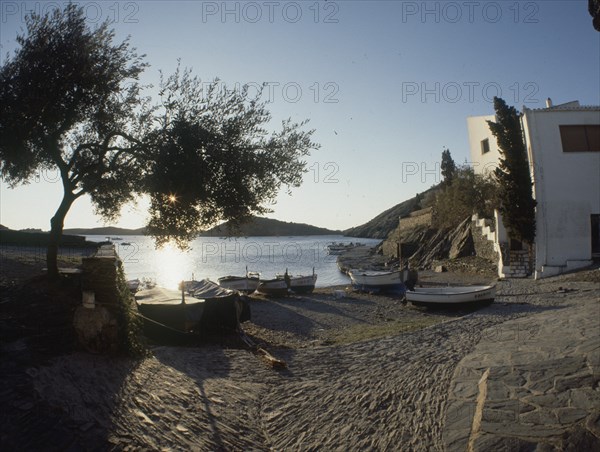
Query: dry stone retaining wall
{"type": "Point", "coordinates": [96, 320]}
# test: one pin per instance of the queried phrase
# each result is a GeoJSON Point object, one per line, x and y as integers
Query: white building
{"type": "Point", "coordinates": [563, 146]}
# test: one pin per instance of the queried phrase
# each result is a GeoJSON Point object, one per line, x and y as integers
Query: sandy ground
{"type": "Point", "coordinates": [363, 372]}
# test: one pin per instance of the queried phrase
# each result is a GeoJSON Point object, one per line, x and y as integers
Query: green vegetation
{"type": "Point", "coordinates": [392, 327]}
{"type": "Point", "coordinates": [448, 167]}
{"type": "Point", "coordinates": [468, 193]}
{"type": "Point", "coordinates": [515, 193]}
{"type": "Point", "coordinates": [129, 323]}
{"type": "Point", "coordinates": [70, 100]}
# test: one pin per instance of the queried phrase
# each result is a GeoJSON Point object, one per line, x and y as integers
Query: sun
{"type": "Point", "coordinates": [173, 266]}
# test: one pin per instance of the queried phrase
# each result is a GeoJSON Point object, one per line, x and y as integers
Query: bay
{"type": "Point", "coordinates": [213, 257]}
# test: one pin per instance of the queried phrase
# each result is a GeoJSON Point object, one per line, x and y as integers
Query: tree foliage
{"type": "Point", "coordinates": [517, 205]}
{"type": "Point", "coordinates": [448, 167]}
{"type": "Point", "coordinates": [70, 100]}
{"type": "Point", "coordinates": [594, 10]}
{"type": "Point", "coordinates": [215, 159]}
{"type": "Point", "coordinates": [468, 193]}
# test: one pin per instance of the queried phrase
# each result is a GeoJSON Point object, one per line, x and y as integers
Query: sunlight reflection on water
{"type": "Point", "coordinates": [213, 257]}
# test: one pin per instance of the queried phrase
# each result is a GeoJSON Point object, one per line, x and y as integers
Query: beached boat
{"type": "Point", "coordinates": [172, 315]}
{"type": "Point", "coordinates": [134, 284]}
{"type": "Point", "coordinates": [277, 287]}
{"type": "Point", "coordinates": [301, 283]}
{"type": "Point", "coordinates": [379, 281]}
{"type": "Point", "coordinates": [246, 284]}
{"type": "Point", "coordinates": [451, 295]}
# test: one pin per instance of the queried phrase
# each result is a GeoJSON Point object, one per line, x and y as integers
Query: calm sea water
{"type": "Point", "coordinates": [213, 257]}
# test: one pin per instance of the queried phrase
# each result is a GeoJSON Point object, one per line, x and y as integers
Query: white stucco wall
{"type": "Point", "coordinates": [479, 130]}
{"type": "Point", "coordinates": [566, 187]}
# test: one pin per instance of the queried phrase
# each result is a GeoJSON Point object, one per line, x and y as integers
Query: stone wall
{"type": "Point", "coordinates": [96, 321]}
{"type": "Point", "coordinates": [417, 219]}
{"type": "Point", "coordinates": [483, 247]}
{"type": "Point", "coordinates": [520, 264]}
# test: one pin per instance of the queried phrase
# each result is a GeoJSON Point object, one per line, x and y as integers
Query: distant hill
{"type": "Point", "coordinates": [106, 231]}
{"type": "Point", "coordinates": [268, 227]}
{"type": "Point", "coordinates": [256, 227]}
{"type": "Point", "coordinates": [384, 223]}
{"type": "Point", "coordinates": [24, 238]}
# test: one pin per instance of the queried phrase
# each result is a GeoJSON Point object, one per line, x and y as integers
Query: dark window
{"type": "Point", "coordinates": [516, 245]}
{"type": "Point", "coordinates": [596, 236]}
{"type": "Point", "coordinates": [580, 138]}
{"type": "Point", "coordinates": [485, 146]}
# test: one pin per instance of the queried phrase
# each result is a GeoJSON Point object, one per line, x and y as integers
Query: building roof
{"type": "Point", "coordinates": [567, 106]}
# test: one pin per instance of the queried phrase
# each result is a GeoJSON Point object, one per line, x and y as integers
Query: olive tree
{"type": "Point", "coordinates": [70, 100]}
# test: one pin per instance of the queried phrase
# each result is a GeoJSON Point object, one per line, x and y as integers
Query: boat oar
{"type": "Point", "coordinates": [275, 363]}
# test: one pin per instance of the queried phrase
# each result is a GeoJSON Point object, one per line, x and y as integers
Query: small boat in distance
{"type": "Point", "coordinates": [246, 284]}
{"type": "Point", "coordinates": [451, 295]}
{"type": "Point", "coordinates": [339, 248]}
{"type": "Point", "coordinates": [116, 238]}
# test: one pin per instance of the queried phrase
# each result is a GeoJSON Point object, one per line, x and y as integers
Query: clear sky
{"type": "Point", "coordinates": [387, 85]}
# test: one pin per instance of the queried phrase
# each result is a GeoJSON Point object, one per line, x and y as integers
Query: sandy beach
{"type": "Point", "coordinates": [363, 372]}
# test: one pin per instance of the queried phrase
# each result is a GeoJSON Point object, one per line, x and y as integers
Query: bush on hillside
{"type": "Point", "coordinates": [468, 193]}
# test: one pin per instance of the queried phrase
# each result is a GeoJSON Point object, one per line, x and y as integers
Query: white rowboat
{"type": "Point", "coordinates": [246, 284]}
{"type": "Point", "coordinates": [300, 283]}
{"type": "Point", "coordinates": [275, 287]}
{"type": "Point", "coordinates": [451, 295]}
{"type": "Point", "coordinates": [378, 281]}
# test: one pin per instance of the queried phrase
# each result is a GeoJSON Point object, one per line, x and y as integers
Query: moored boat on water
{"type": "Point", "coordinates": [451, 295]}
{"type": "Point", "coordinates": [339, 248]}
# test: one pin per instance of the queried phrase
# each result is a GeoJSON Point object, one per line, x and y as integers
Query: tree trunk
{"type": "Point", "coordinates": [56, 228]}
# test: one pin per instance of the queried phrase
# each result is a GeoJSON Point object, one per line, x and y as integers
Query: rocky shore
{"type": "Point", "coordinates": [363, 372]}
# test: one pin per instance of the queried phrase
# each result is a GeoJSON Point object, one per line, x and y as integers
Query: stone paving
{"type": "Point", "coordinates": [534, 383]}
{"type": "Point", "coordinates": [521, 374]}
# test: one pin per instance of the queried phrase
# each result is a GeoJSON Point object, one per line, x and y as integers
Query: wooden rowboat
{"type": "Point", "coordinates": [246, 284]}
{"type": "Point", "coordinates": [300, 284]}
{"type": "Point", "coordinates": [451, 295]}
{"type": "Point", "coordinates": [274, 287]}
{"type": "Point", "coordinates": [378, 281]}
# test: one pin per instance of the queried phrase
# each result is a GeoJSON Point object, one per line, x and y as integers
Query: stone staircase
{"type": "Point", "coordinates": [489, 232]}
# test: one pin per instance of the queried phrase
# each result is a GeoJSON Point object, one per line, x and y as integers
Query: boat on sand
{"type": "Point", "coordinates": [451, 295]}
{"type": "Point", "coordinates": [300, 283]}
{"type": "Point", "coordinates": [394, 281]}
{"type": "Point", "coordinates": [200, 307]}
{"type": "Point", "coordinates": [277, 287]}
{"type": "Point", "coordinates": [246, 284]}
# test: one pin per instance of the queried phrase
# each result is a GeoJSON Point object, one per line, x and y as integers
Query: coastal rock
{"type": "Point", "coordinates": [461, 241]}
{"type": "Point", "coordinates": [440, 244]}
